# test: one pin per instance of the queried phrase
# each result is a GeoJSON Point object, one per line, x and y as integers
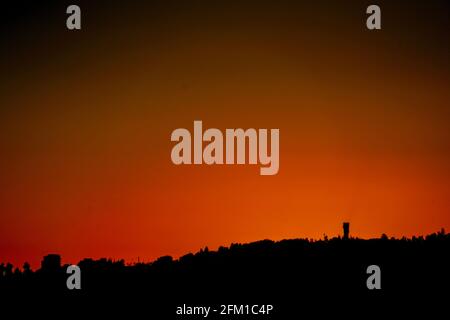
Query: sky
{"type": "Point", "coordinates": [86, 118]}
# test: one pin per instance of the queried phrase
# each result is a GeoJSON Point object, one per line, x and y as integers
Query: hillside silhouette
{"type": "Point", "coordinates": [286, 273]}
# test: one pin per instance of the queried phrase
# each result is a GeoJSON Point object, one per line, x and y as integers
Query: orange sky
{"type": "Point", "coordinates": [86, 119]}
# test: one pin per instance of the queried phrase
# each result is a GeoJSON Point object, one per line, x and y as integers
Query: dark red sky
{"type": "Point", "coordinates": [86, 118]}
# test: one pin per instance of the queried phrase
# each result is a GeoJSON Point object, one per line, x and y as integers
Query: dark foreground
{"type": "Point", "coordinates": [296, 277]}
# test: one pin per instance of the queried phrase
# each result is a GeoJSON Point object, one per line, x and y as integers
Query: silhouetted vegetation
{"type": "Point", "coordinates": [263, 272]}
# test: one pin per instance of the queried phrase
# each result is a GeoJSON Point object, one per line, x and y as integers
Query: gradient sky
{"type": "Point", "coordinates": [86, 118]}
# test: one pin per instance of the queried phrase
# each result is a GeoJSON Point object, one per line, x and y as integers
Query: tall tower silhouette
{"type": "Point", "coordinates": [346, 226]}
